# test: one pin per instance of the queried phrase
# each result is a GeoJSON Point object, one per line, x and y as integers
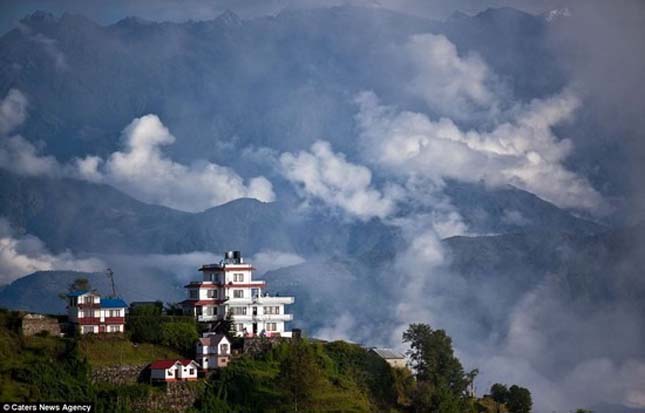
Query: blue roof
{"type": "Point", "coordinates": [77, 293]}
{"type": "Point", "coordinates": [113, 303]}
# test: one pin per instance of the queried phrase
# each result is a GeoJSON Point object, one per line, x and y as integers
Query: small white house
{"type": "Point", "coordinates": [174, 370]}
{"type": "Point", "coordinates": [213, 351]}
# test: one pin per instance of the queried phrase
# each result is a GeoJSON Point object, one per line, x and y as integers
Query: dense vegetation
{"type": "Point", "coordinates": [300, 375]}
{"type": "Point", "coordinates": [45, 368]}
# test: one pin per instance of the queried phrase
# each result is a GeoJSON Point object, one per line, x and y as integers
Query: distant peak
{"type": "Point", "coordinates": [557, 14]}
{"type": "Point", "coordinates": [229, 18]}
{"type": "Point", "coordinates": [39, 16]}
{"type": "Point", "coordinates": [458, 15]}
{"type": "Point", "coordinates": [133, 21]}
{"type": "Point", "coordinates": [503, 11]}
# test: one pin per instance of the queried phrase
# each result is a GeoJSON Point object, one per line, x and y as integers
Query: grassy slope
{"type": "Point", "coordinates": [113, 351]}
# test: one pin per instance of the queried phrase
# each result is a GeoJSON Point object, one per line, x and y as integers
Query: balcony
{"type": "Point", "coordinates": [273, 317]}
{"type": "Point", "coordinates": [263, 317]}
{"type": "Point", "coordinates": [274, 300]}
{"type": "Point", "coordinates": [88, 305]}
{"type": "Point", "coordinates": [89, 320]}
{"type": "Point", "coordinates": [206, 318]}
{"type": "Point", "coordinates": [114, 320]}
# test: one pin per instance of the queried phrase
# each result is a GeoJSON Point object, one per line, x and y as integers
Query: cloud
{"type": "Point", "coordinates": [49, 45]}
{"type": "Point", "coordinates": [449, 84]}
{"type": "Point", "coordinates": [568, 354]}
{"type": "Point", "coordinates": [143, 171]}
{"type": "Point", "coordinates": [328, 177]}
{"type": "Point", "coordinates": [523, 152]}
{"type": "Point", "coordinates": [13, 111]}
{"type": "Point", "coordinates": [16, 153]}
{"type": "Point", "coordinates": [21, 255]}
{"type": "Point", "coordinates": [269, 260]}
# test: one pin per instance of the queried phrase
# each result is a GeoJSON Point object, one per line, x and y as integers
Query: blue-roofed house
{"type": "Point", "coordinates": [94, 314]}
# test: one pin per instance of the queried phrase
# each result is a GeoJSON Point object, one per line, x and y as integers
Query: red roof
{"type": "Point", "coordinates": [165, 364]}
{"type": "Point", "coordinates": [201, 302]}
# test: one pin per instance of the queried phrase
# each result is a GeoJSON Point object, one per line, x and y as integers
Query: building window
{"type": "Point", "coordinates": [238, 277]}
{"type": "Point", "coordinates": [80, 314]}
{"type": "Point", "coordinates": [271, 326]}
{"type": "Point", "coordinates": [255, 292]}
{"type": "Point", "coordinates": [238, 310]}
{"type": "Point", "coordinates": [223, 348]}
{"type": "Point", "coordinates": [211, 293]}
{"type": "Point", "coordinates": [192, 371]}
{"type": "Point", "coordinates": [238, 293]}
{"type": "Point", "coordinates": [272, 310]}
{"type": "Point", "coordinates": [169, 373]}
{"type": "Point", "coordinates": [239, 327]}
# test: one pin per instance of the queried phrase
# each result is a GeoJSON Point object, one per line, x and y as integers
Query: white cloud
{"type": "Point", "coordinates": [143, 171]}
{"type": "Point", "coordinates": [49, 45]}
{"type": "Point", "coordinates": [269, 260]}
{"type": "Point", "coordinates": [20, 156]}
{"type": "Point", "coordinates": [449, 84]}
{"type": "Point", "coordinates": [16, 153]}
{"type": "Point", "coordinates": [13, 111]}
{"type": "Point", "coordinates": [329, 177]}
{"type": "Point", "coordinates": [522, 152]}
{"type": "Point", "coordinates": [22, 255]}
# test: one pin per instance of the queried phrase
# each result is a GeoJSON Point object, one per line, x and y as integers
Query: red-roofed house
{"type": "Point", "coordinates": [174, 370]}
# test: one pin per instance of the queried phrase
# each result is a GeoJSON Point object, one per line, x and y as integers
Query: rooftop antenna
{"type": "Point", "coordinates": [110, 275]}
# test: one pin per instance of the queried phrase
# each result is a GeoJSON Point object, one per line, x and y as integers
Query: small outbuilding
{"type": "Point", "coordinates": [213, 351]}
{"type": "Point", "coordinates": [391, 357]}
{"type": "Point", "coordinates": [173, 370]}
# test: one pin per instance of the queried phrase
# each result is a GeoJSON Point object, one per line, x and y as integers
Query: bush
{"type": "Point", "coordinates": [180, 336]}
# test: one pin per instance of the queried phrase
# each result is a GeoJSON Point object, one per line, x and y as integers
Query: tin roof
{"type": "Point", "coordinates": [212, 340]}
{"type": "Point", "coordinates": [77, 293]}
{"type": "Point", "coordinates": [387, 353]}
{"type": "Point", "coordinates": [165, 364]}
{"type": "Point", "coordinates": [113, 303]}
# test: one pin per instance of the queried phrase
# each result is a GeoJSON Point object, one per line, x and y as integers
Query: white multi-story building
{"type": "Point", "coordinates": [228, 287]}
{"type": "Point", "coordinates": [94, 314]}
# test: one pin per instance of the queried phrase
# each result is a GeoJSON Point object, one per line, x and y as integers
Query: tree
{"type": "Point", "coordinates": [79, 284]}
{"type": "Point", "coordinates": [179, 335]}
{"type": "Point", "coordinates": [300, 375]}
{"type": "Point", "coordinates": [147, 309]}
{"type": "Point", "coordinates": [499, 393]}
{"type": "Point", "coordinates": [433, 358]}
{"type": "Point", "coordinates": [442, 384]}
{"type": "Point", "coordinates": [226, 326]}
{"type": "Point", "coordinates": [519, 399]}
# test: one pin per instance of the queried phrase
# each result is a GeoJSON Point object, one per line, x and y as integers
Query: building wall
{"type": "Point", "coordinates": [184, 372]}
{"type": "Point", "coordinates": [36, 323]}
{"type": "Point", "coordinates": [397, 363]}
{"type": "Point", "coordinates": [160, 374]}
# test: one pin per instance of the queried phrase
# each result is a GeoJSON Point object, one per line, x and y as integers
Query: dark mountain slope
{"type": "Point", "coordinates": [86, 217]}
{"type": "Point", "coordinates": [39, 291]}
{"type": "Point", "coordinates": [280, 81]}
